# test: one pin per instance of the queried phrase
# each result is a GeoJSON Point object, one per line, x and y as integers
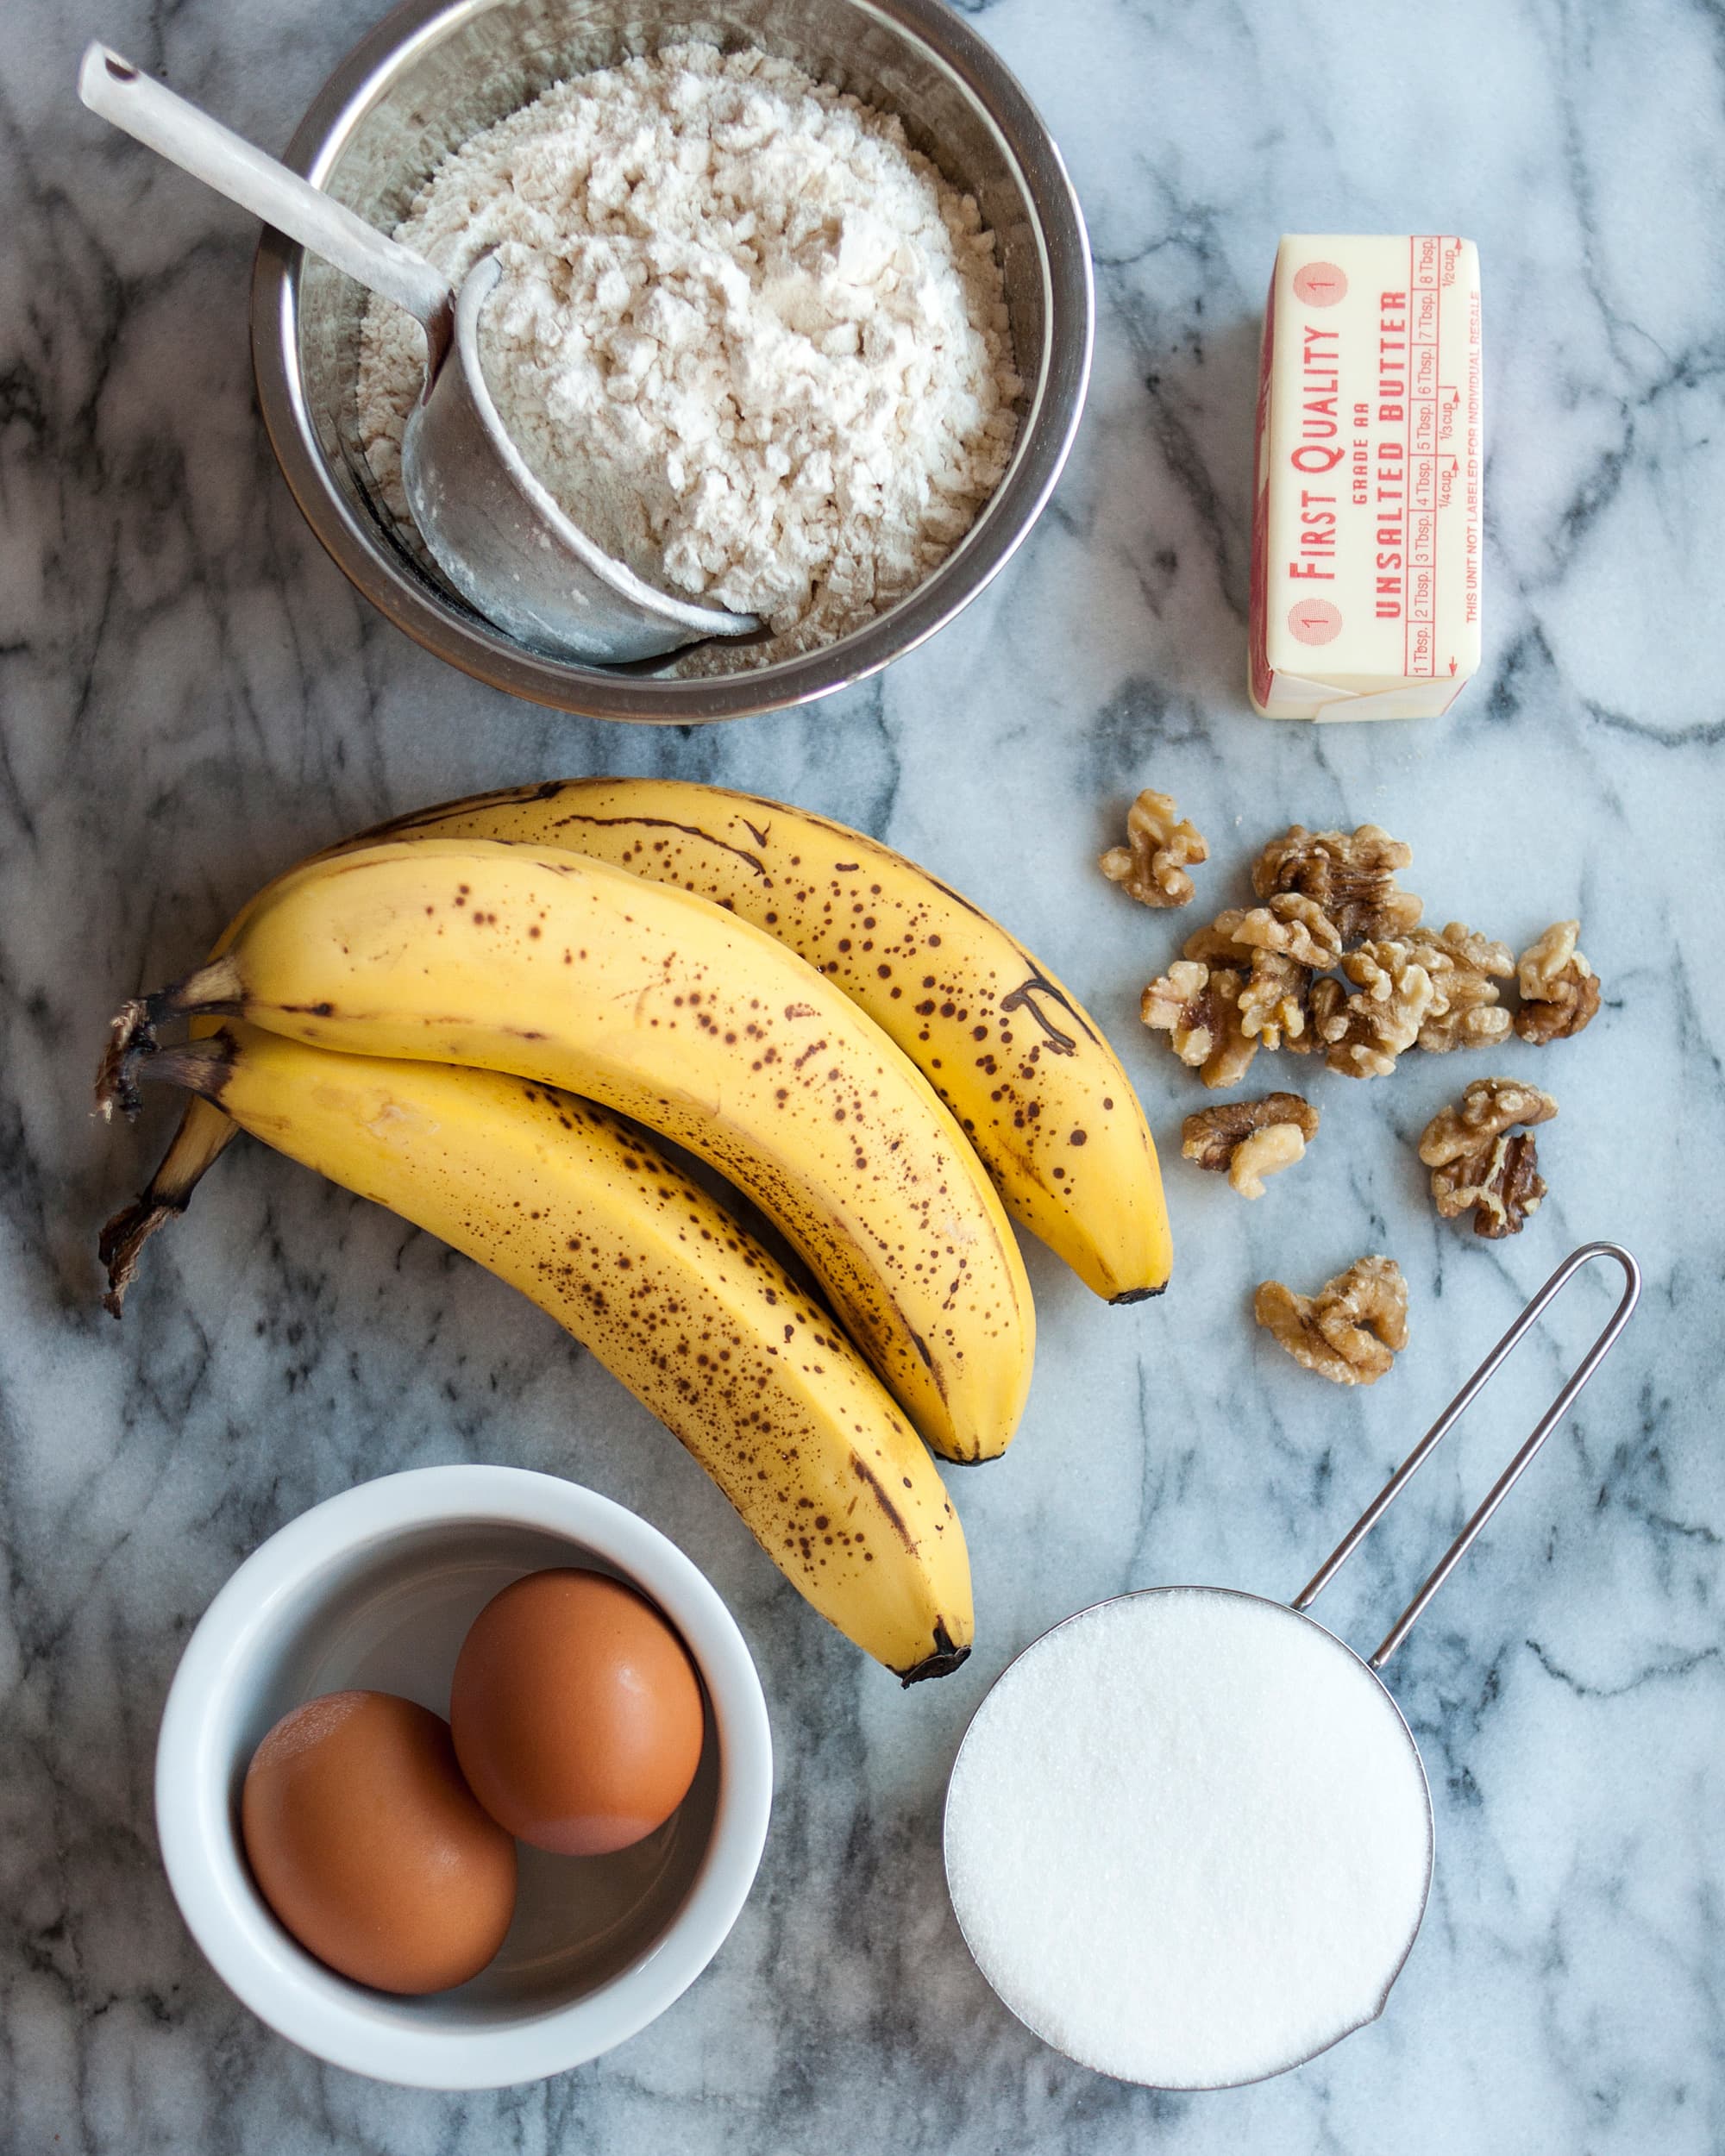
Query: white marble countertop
{"type": "Point", "coordinates": [192, 696]}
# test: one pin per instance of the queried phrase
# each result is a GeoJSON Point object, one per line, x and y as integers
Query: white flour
{"type": "Point", "coordinates": [751, 341]}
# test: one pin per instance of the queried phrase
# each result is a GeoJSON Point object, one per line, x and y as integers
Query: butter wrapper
{"type": "Point", "coordinates": [1365, 552]}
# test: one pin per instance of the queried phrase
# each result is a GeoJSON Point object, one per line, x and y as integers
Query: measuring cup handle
{"type": "Point", "coordinates": [114, 89]}
{"type": "Point", "coordinates": [1506, 1481]}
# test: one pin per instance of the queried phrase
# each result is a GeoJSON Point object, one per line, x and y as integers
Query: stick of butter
{"type": "Point", "coordinates": [1366, 553]}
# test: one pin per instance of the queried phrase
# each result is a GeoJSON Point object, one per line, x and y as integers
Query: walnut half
{"type": "Point", "coordinates": [1250, 1139]}
{"type": "Point", "coordinates": [1351, 1331]}
{"type": "Point", "coordinates": [1465, 968]}
{"type": "Point", "coordinates": [1559, 989]}
{"type": "Point", "coordinates": [1481, 1153]}
{"type": "Point", "coordinates": [1198, 1007]}
{"type": "Point", "coordinates": [1351, 874]}
{"type": "Point", "coordinates": [1151, 866]}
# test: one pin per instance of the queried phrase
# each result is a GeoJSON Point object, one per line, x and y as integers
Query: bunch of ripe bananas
{"type": "Point", "coordinates": [452, 1013]}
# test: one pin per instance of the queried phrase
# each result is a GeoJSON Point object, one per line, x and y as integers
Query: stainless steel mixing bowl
{"type": "Point", "coordinates": [433, 73]}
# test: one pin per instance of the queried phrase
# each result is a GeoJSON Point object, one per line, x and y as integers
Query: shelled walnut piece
{"type": "Point", "coordinates": [1250, 1139]}
{"type": "Point", "coordinates": [1361, 1034]}
{"type": "Point", "coordinates": [1197, 1006]}
{"type": "Point", "coordinates": [1275, 1001]}
{"type": "Point", "coordinates": [1351, 874]}
{"type": "Point", "coordinates": [1559, 989]}
{"type": "Point", "coordinates": [1160, 845]}
{"type": "Point", "coordinates": [1467, 968]}
{"type": "Point", "coordinates": [1482, 1154]}
{"type": "Point", "coordinates": [1351, 1331]}
{"type": "Point", "coordinates": [1292, 925]}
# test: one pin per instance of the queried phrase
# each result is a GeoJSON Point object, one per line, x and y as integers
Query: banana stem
{"type": "Point", "coordinates": [202, 1067]}
{"type": "Point", "coordinates": [204, 1135]}
{"type": "Point", "coordinates": [216, 989]}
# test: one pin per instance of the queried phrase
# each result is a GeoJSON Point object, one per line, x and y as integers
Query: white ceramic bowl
{"type": "Point", "coordinates": [376, 1589]}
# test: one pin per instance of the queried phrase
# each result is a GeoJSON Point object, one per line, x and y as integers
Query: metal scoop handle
{"type": "Point", "coordinates": [115, 91]}
{"type": "Point", "coordinates": [1506, 1481]}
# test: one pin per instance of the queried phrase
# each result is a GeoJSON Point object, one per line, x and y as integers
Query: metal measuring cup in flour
{"type": "Point", "coordinates": [491, 528]}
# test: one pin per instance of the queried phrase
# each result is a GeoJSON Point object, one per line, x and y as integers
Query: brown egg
{"type": "Point", "coordinates": [576, 1713]}
{"type": "Point", "coordinates": [368, 1844]}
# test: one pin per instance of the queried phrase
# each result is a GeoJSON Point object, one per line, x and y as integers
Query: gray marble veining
{"type": "Point", "coordinates": [192, 696]}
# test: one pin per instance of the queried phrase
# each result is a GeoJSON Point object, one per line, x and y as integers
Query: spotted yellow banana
{"type": "Point", "coordinates": [1025, 1069]}
{"type": "Point", "coordinates": [659, 1003]}
{"type": "Point", "coordinates": [595, 1223]}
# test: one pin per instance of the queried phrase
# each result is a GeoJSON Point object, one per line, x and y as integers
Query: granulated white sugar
{"type": "Point", "coordinates": [750, 341]}
{"type": "Point", "coordinates": [1187, 1838]}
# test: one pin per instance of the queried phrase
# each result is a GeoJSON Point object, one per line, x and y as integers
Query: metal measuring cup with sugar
{"type": "Point", "coordinates": [1274, 1847]}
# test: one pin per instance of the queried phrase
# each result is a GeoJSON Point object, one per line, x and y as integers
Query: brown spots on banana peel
{"type": "Point", "coordinates": [833, 913]}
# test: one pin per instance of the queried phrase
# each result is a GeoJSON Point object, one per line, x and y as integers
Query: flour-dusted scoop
{"type": "Point", "coordinates": [492, 529]}
{"type": "Point", "coordinates": [1189, 1836]}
